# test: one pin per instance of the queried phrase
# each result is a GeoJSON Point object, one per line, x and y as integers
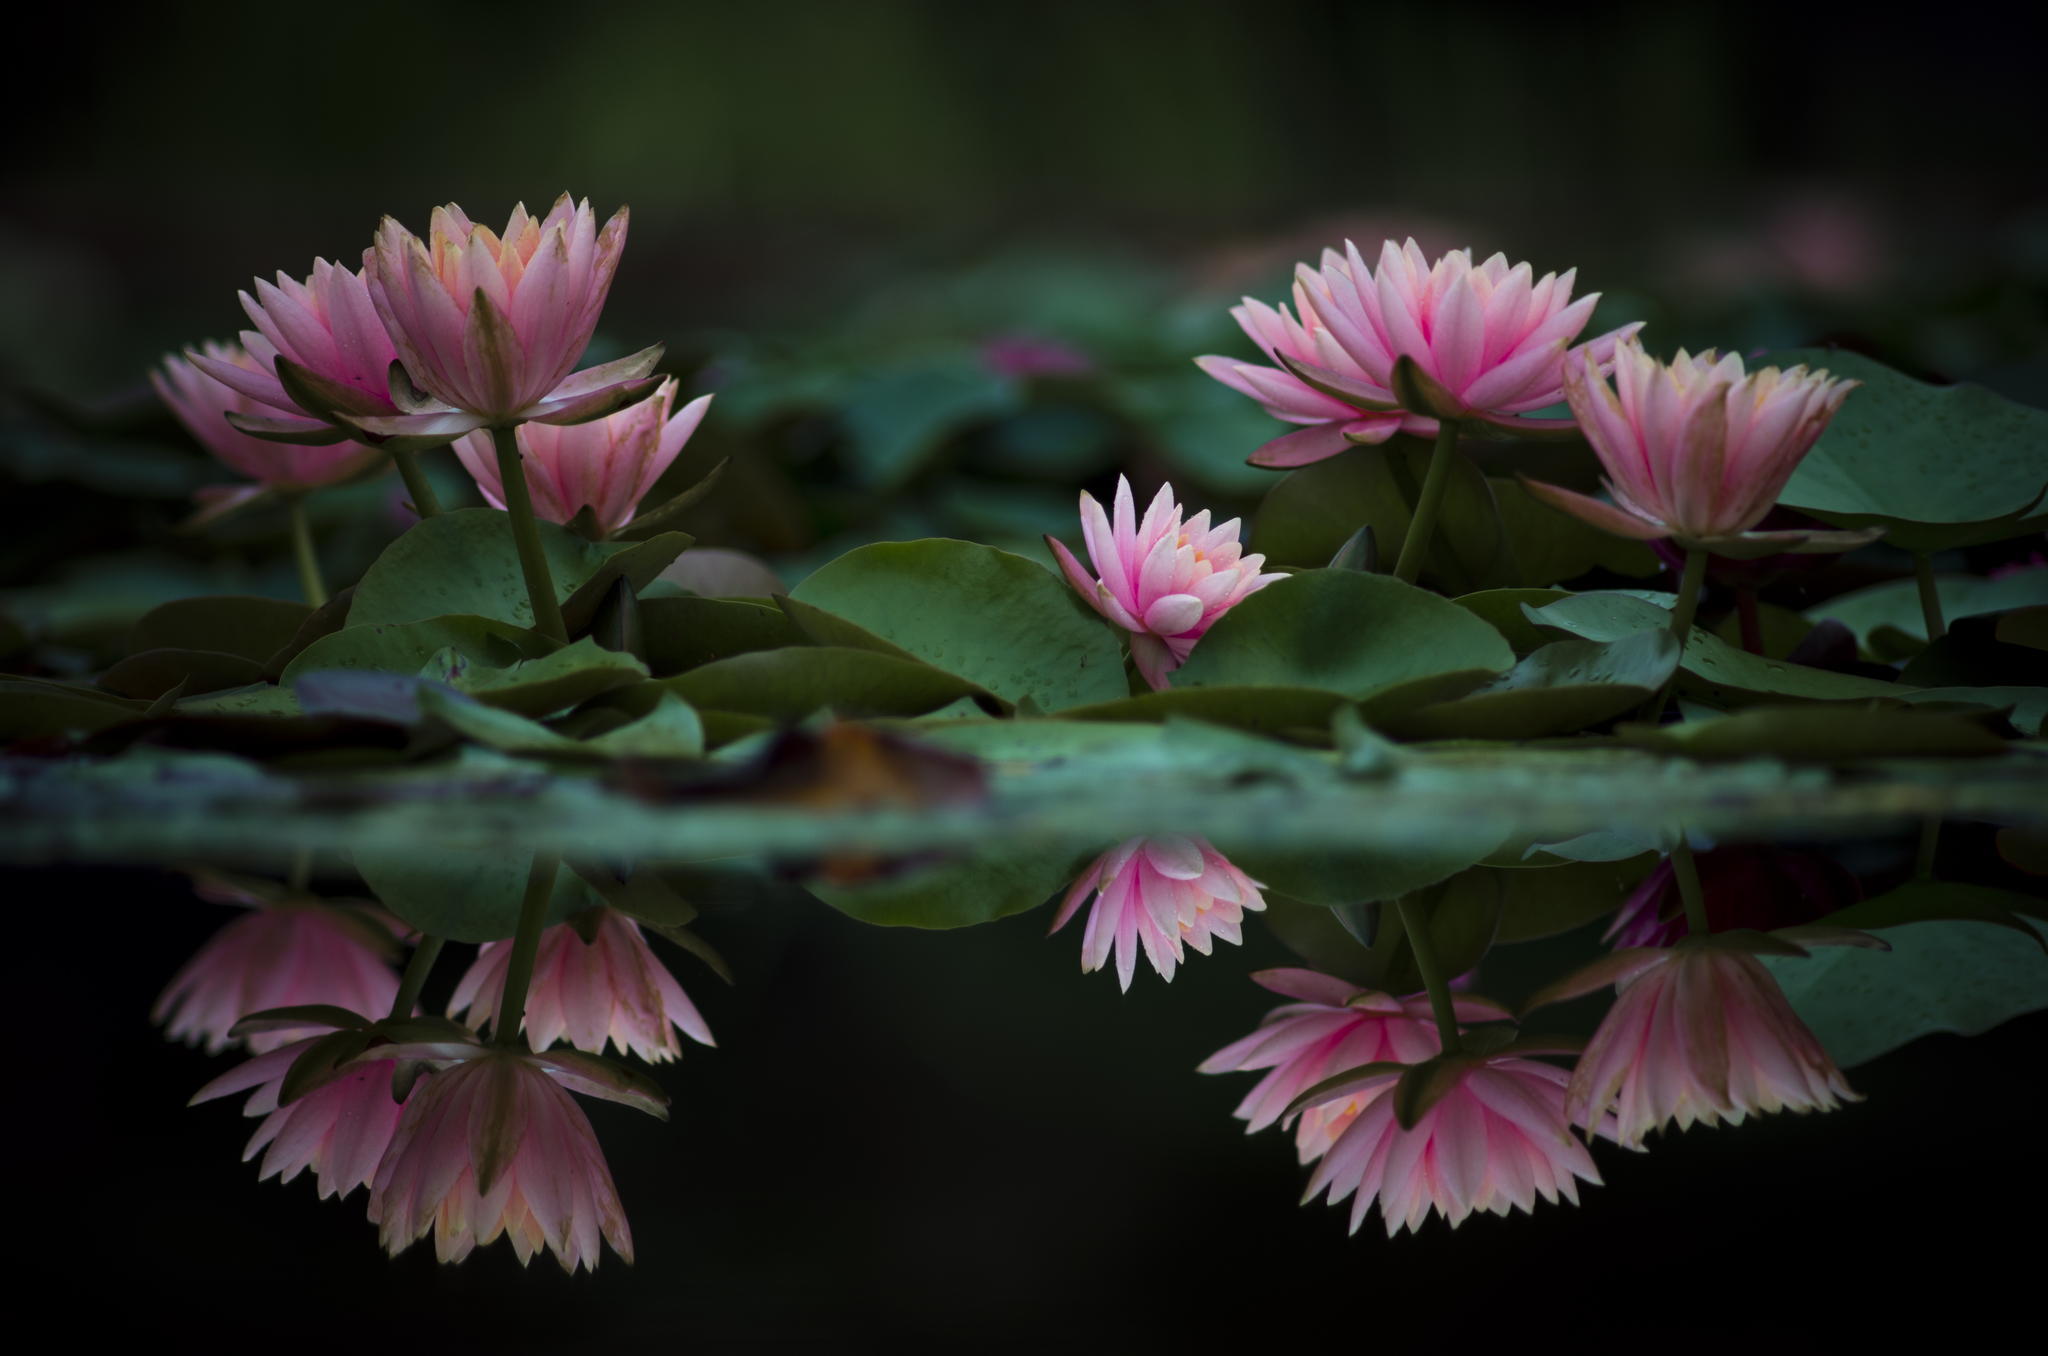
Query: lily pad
{"type": "Point", "coordinates": [1897, 604]}
{"type": "Point", "coordinates": [465, 892]}
{"type": "Point", "coordinates": [537, 687]}
{"type": "Point", "coordinates": [405, 647]}
{"type": "Point", "coordinates": [149, 674]}
{"type": "Point", "coordinates": [998, 620]}
{"type": "Point", "coordinates": [252, 628]}
{"type": "Point", "coordinates": [1265, 709]}
{"type": "Point", "coordinates": [681, 633]}
{"type": "Point", "coordinates": [790, 684]}
{"type": "Point", "coordinates": [31, 708]}
{"type": "Point", "coordinates": [1939, 467]}
{"type": "Point", "coordinates": [1564, 686]}
{"type": "Point", "coordinates": [1826, 733]}
{"type": "Point", "coordinates": [979, 889]}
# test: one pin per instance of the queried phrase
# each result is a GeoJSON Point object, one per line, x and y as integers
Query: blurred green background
{"type": "Point", "coordinates": [944, 264]}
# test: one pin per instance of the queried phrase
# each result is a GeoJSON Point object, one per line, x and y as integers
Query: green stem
{"type": "Point", "coordinates": [1681, 622]}
{"type": "Point", "coordinates": [1416, 927]}
{"type": "Point", "coordinates": [533, 912]}
{"type": "Point", "coordinates": [1930, 597]}
{"type": "Point", "coordinates": [533, 560]}
{"type": "Point", "coordinates": [415, 978]}
{"type": "Point", "coordinates": [302, 552]}
{"type": "Point", "coordinates": [424, 501]}
{"type": "Point", "coordinates": [1695, 900]}
{"type": "Point", "coordinates": [1422, 526]}
{"type": "Point", "coordinates": [1930, 844]}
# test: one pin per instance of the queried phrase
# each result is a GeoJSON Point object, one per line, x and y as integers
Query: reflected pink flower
{"type": "Point", "coordinates": [607, 465]}
{"type": "Point", "coordinates": [1026, 356]}
{"type": "Point", "coordinates": [340, 1129]}
{"type": "Point", "coordinates": [494, 1144]}
{"type": "Point", "coordinates": [1334, 1026]}
{"type": "Point", "coordinates": [277, 956]}
{"type": "Point", "coordinates": [1161, 893]}
{"type": "Point", "coordinates": [336, 353]}
{"type": "Point", "coordinates": [1163, 581]}
{"type": "Point", "coordinates": [202, 404]}
{"type": "Point", "coordinates": [1698, 450]}
{"type": "Point", "coordinates": [492, 326]}
{"type": "Point", "coordinates": [1496, 1139]}
{"type": "Point", "coordinates": [1743, 886]}
{"type": "Point", "coordinates": [1699, 1034]}
{"type": "Point", "coordinates": [612, 987]}
{"type": "Point", "coordinates": [1487, 342]}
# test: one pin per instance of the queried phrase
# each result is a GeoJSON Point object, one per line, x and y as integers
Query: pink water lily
{"type": "Point", "coordinates": [205, 404]}
{"type": "Point", "coordinates": [493, 1144]}
{"type": "Point", "coordinates": [339, 1129]}
{"type": "Point", "coordinates": [277, 956]}
{"type": "Point", "coordinates": [1334, 1025]}
{"type": "Point", "coordinates": [1161, 894]}
{"type": "Point", "coordinates": [1495, 1139]}
{"type": "Point", "coordinates": [1698, 450]}
{"type": "Point", "coordinates": [1700, 1033]}
{"type": "Point", "coordinates": [491, 326]}
{"type": "Point", "coordinates": [1164, 581]}
{"type": "Point", "coordinates": [610, 988]}
{"type": "Point", "coordinates": [607, 465]}
{"type": "Point", "coordinates": [1484, 342]}
{"type": "Point", "coordinates": [318, 350]}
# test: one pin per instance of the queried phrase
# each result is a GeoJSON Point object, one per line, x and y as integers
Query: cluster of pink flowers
{"type": "Point", "coordinates": [429, 341]}
{"type": "Point", "coordinates": [453, 1137]}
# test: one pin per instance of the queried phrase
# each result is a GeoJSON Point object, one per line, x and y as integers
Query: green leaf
{"type": "Point", "coordinates": [1548, 546]}
{"type": "Point", "coordinates": [405, 647]}
{"type": "Point", "coordinates": [1826, 734]}
{"type": "Point", "coordinates": [1564, 686]}
{"type": "Point", "coordinates": [995, 619]}
{"type": "Point", "coordinates": [464, 563]}
{"type": "Point", "coordinates": [149, 674]}
{"type": "Point", "coordinates": [1927, 901]}
{"type": "Point", "coordinates": [1463, 915]}
{"type": "Point", "coordinates": [681, 633]}
{"type": "Point", "coordinates": [1544, 901]}
{"type": "Point", "coordinates": [1502, 610]}
{"type": "Point", "coordinates": [1266, 709]}
{"type": "Point", "coordinates": [895, 418]}
{"type": "Point", "coordinates": [1939, 466]}
{"type": "Point", "coordinates": [790, 684]}
{"type": "Point", "coordinates": [991, 884]}
{"type": "Point", "coordinates": [1938, 976]}
{"type": "Point", "coordinates": [537, 687]}
{"type": "Point", "coordinates": [2027, 706]}
{"type": "Point", "coordinates": [1306, 518]}
{"type": "Point", "coordinates": [1314, 933]}
{"type": "Point", "coordinates": [463, 891]}
{"type": "Point", "coordinates": [1389, 645]}
{"type": "Point", "coordinates": [1897, 604]}
{"type": "Point", "coordinates": [32, 708]}
{"type": "Point", "coordinates": [671, 730]}
{"type": "Point", "coordinates": [1711, 666]}
{"type": "Point", "coordinates": [252, 628]}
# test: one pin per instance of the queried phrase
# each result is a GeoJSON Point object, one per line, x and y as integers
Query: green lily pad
{"type": "Point", "coordinates": [1711, 667]}
{"type": "Point", "coordinates": [1265, 709]}
{"type": "Point", "coordinates": [790, 684]}
{"type": "Point", "coordinates": [1368, 637]}
{"type": "Point", "coordinates": [148, 674]}
{"type": "Point", "coordinates": [1544, 901]}
{"type": "Point", "coordinates": [537, 687]}
{"type": "Point", "coordinates": [681, 633]}
{"type": "Point", "coordinates": [1564, 686]}
{"type": "Point", "coordinates": [252, 628]}
{"type": "Point", "coordinates": [1813, 733]}
{"type": "Point", "coordinates": [897, 417]}
{"type": "Point", "coordinates": [1939, 976]}
{"type": "Point", "coordinates": [1000, 621]}
{"type": "Point", "coordinates": [1897, 604]}
{"type": "Point", "coordinates": [32, 708]}
{"type": "Point", "coordinates": [1927, 901]}
{"type": "Point", "coordinates": [405, 647]}
{"type": "Point", "coordinates": [465, 892]}
{"type": "Point", "coordinates": [1502, 610]}
{"type": "Point", "coordinates": [979, 889]}
{"type": "Point", "coordinates": [2028, 706]}
{"type": "Point", "coordinates": [1548, 546]}
{"type": "Point", "coordinates": [1939, 466]}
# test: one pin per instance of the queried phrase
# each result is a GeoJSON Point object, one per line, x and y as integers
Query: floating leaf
{"type": "Point", "coordinates": [149, 674]}
{"type": "Point", "coordinates": [1897, 604]}
{"type": "Point", "coordinates": [465, 892]}
{"type": "Point", "coordinates": [1502, 610]}
{"type": "Point", "coordinates": [681, 633]}
{"type": "Point", "coordinates": [1266, 709]}
{"type": "Point", "coordinates": [989, 885]}
{"type": "Point", "coordinates": [1826, 734]}
{"type": "Point", "coordinates": [31, 708]}
{"type": "Point", "coordinates": [1561, 687]}
{"type": "Point", "coordinates": [252, 628]}
{"type": "Point", "coordinates": [790, 684]}
{"type": "Point", "coordinates": [998, 620]}
{"type": "Point", "coordinates": [1939, 466]}
{"type": "Point", "coordinates": [552, 682]}
{"type": "Point", "coordinates": [1544, 901]}
{"type": "Point", "coordinates": [2027, 707]}
{"type": "Point", "coordinates": [897, 417]}
{"type": "Point", "coordinates": [405, 647]}
{"type": "Point", "coordinates": [1927, 901]}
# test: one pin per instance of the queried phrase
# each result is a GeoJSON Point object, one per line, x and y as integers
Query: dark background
{"type": "Point", "coordinates": [955, 1138]}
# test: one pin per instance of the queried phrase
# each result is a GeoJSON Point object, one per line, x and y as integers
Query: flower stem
{"type": "Point", "coordinates": [533, 912]}
{"type": "Point", "coordinates": [1930, 597]}
{"type": "Point", "coordinates": [1688, 873]}
{"type": "Point", "coordinates": [415, 977]}
{"type": "Point", "coordinates": [1682, 612]}
{"type": "Point", "coordinates": [1416, 928]}
{"type": "Point", "coordinates": [1422, 526]}
{"type": "Point", "coordinates": [302, 552]}
{"type": "Point", "coordinates": [533, 560]}
{"type": "Point", "coordinates": [424, 501]}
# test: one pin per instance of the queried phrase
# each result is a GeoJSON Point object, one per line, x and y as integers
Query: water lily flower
{"type": "Point", "coordinates": [492, 1143]}
{"type": "Point", "coordinates": [1334, 1026]}
{"type": "Point", "coordinates": [1742, 886]}
{"type": "Point", "coordinates": [1483, 343]}
{"type": "Point", "coordinates": [318, 351]}
{"type": "Point", "coordinates": [216, 412]}
{"type": "Point", "coordinates": [1698, 450]}
{"type": "Point", "coordinates": [491, 327]}
{"type": "Point", "coordinates": [606, 465]}
{"type": "Point", "coordinates": [1162, 893]}
{"type": "Point", "coordinates": [1163, 581]}
{"type": "Point", "coordinates": [1495, 1138]}
{"type": "Point", "coordinates": [340, 1129]}
{"type": "Point", "coordinates": [610, 987]}
{"type": "Point", "coordinates": [278, 955]}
